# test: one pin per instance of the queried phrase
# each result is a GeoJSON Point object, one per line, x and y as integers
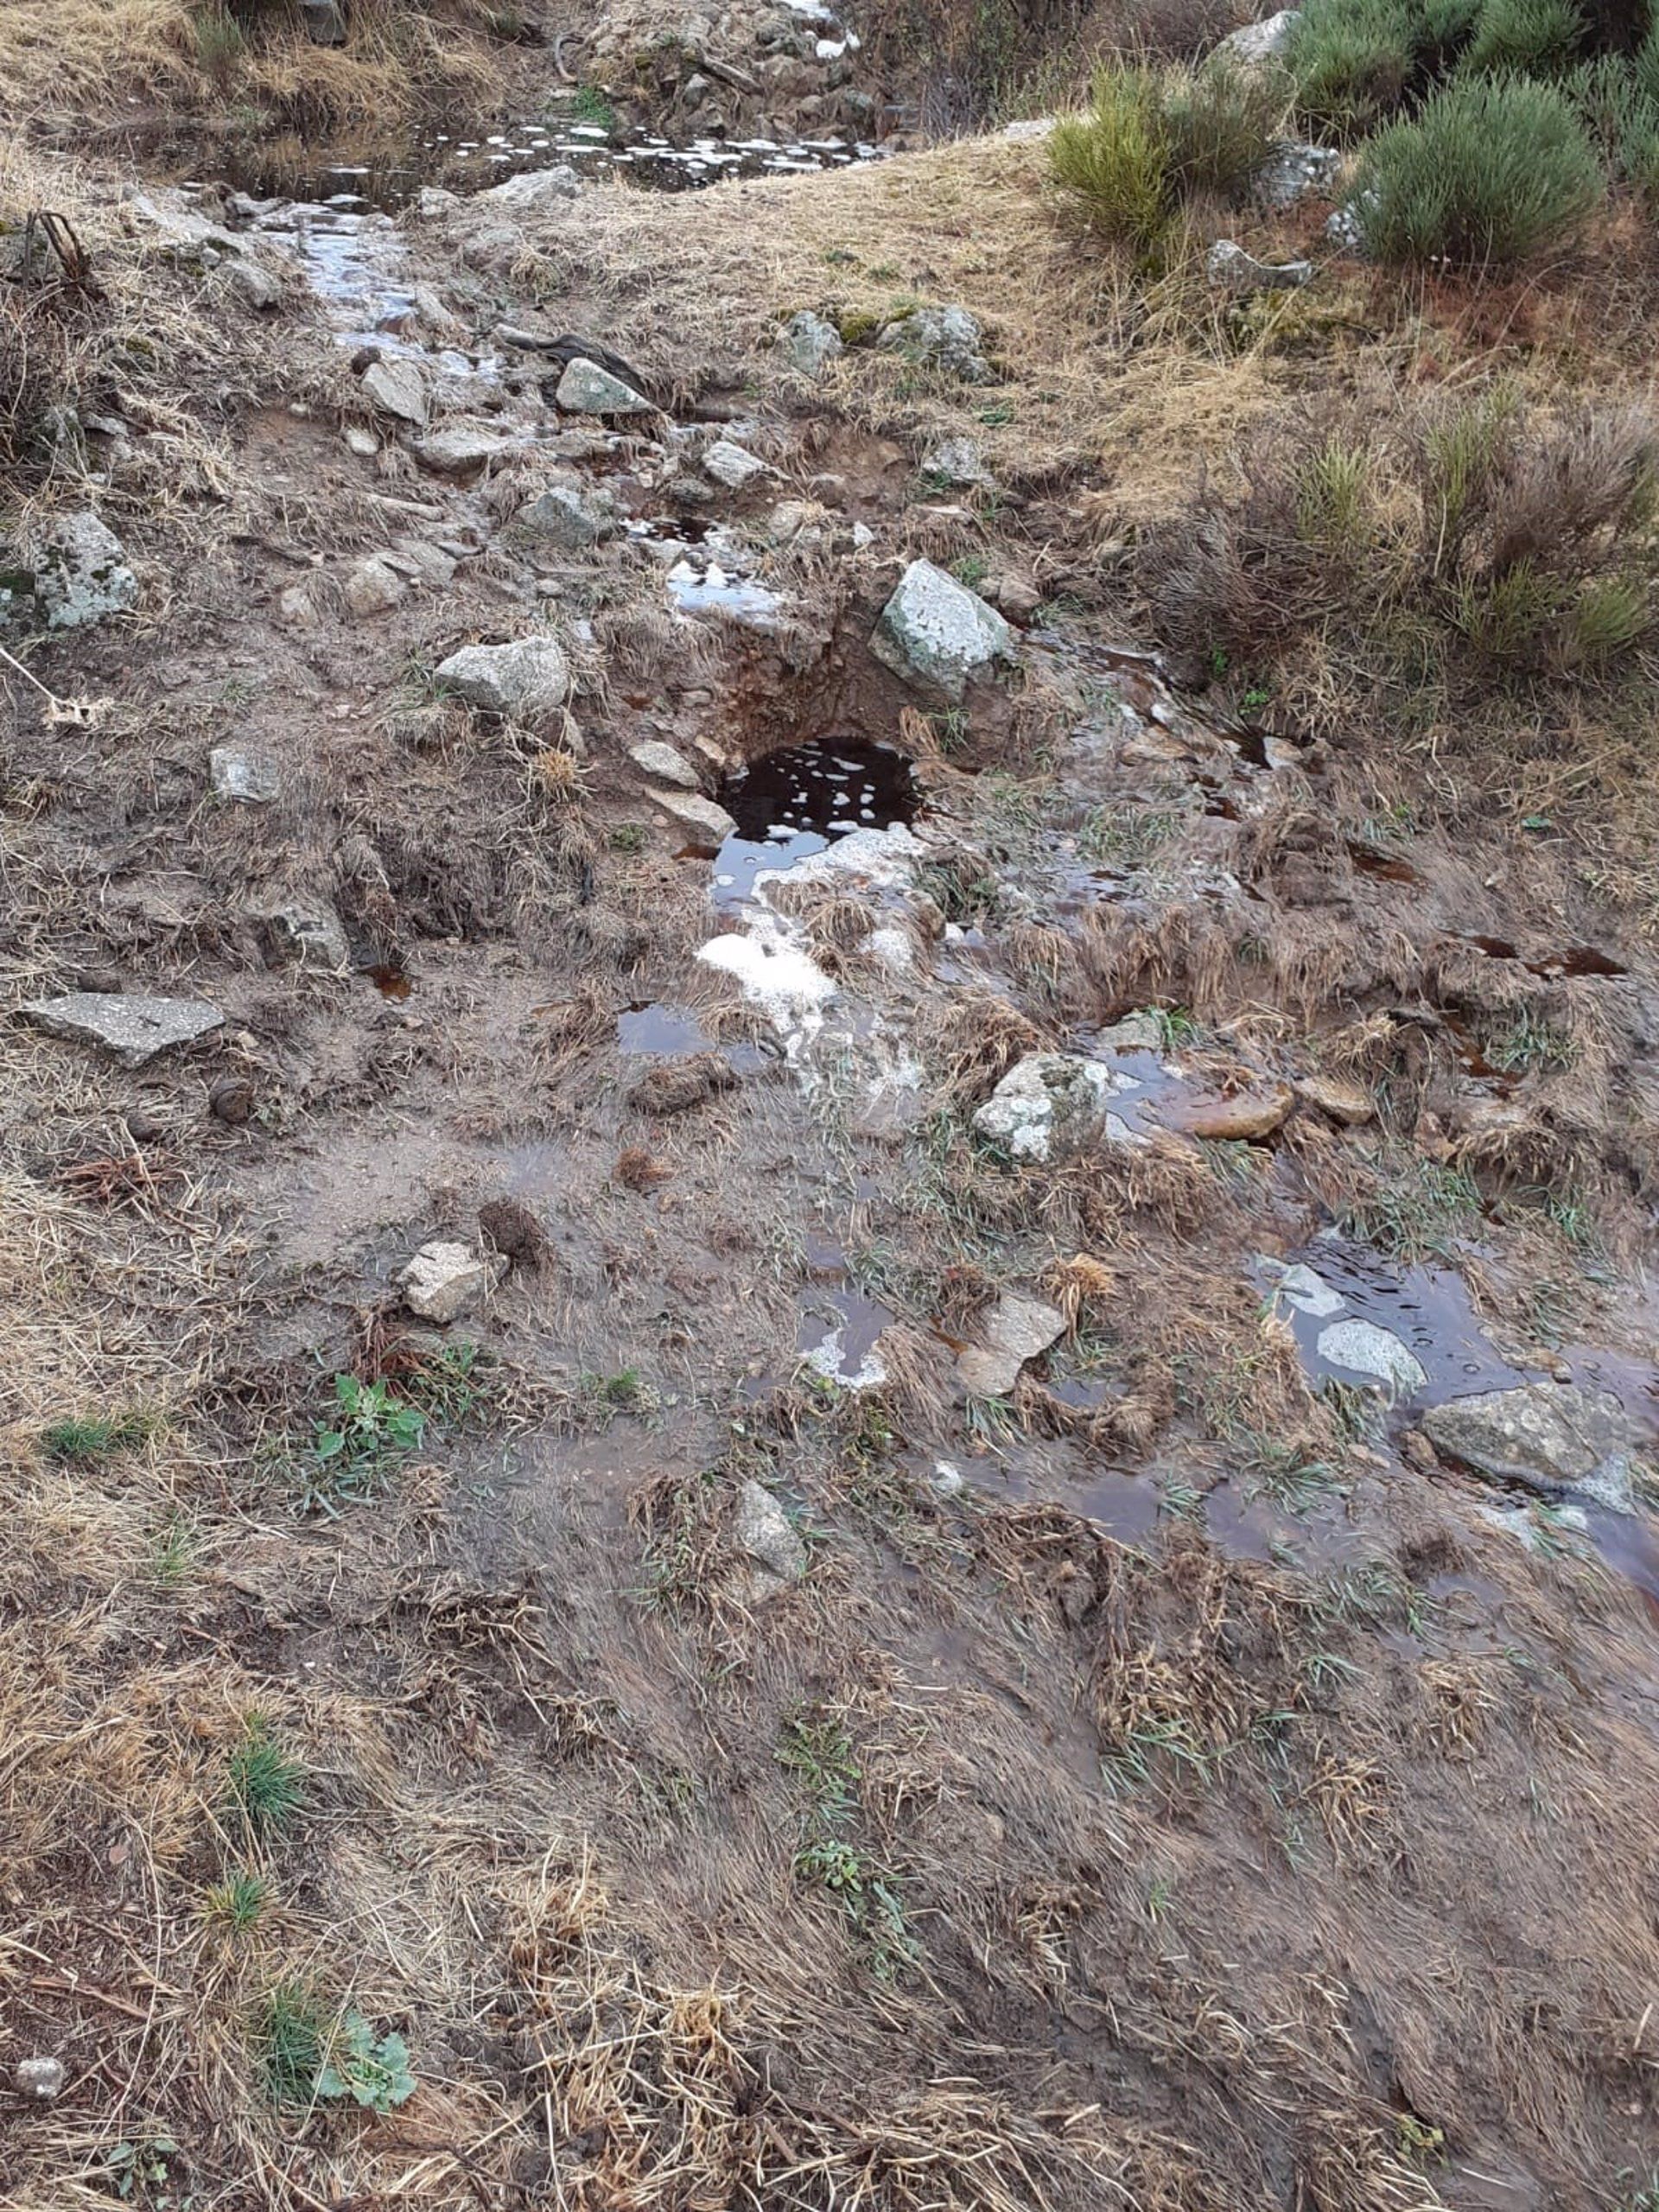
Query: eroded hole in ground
{"type": "Point", "coordinates": [801, 800]}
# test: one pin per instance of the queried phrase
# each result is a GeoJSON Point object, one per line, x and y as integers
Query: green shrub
{"type": "Point", "coordinates": [1220, 123]}
{"type": "Point", "coordinates": [1151, 136]}
{"type": "Point", "coordinates": [1531, 36]}
{"type": "Point", "coordinates": [1489, 172]}
{"type": "Point", "coordinates": [1352, 59]}
{"type": "Point", "coordinates": [1115, 156]}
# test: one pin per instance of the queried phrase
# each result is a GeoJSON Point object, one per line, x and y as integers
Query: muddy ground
{"type": "Point", "coordinates": [749, 1745]}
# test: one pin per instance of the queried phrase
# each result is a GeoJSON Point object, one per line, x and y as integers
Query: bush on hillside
{"type": "Point", "coordinates": [1149, 137]}
{"type": "Point", "coordinates": [1499, 544]}
{"type": "Point", "coordinates": [1488, 172]}
{"type": "Point", "coordinates": [1354, 62]}
{"type": "Point", "coordinates": [1534, 37]}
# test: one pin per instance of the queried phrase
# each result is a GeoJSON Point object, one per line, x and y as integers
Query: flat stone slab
{"type": "Point", "coordinates": [397, 388]}
{"type": "Point", "coordinates": [1547, 1436]}
{"type": "Point", "coordinates": [586, 389]}
{"type": "Point", "coordinates": [697, 813]}
{"type": "Point", "coordinates": [731, 465]}
{"type": "Point", "coordinates": [133, 1029]}
{"type": "Point", "coordinates": [1366, 1348]}
{"type": "Point", "coordinates": [765, 1533]}
{"type": "Point", "coordinates": [661, 760]}
{"type": "Point", "coordinates": [1017, 1329]}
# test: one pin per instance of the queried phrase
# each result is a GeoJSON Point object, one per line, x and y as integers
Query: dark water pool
{"type": "Point", "coordinates": [800, 800]}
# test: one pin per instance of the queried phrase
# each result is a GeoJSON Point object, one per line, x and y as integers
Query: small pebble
{"type": "Point", "coordinates": [41, 2078]}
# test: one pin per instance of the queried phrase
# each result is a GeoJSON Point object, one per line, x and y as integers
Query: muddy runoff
{"type": "Point", "coordinates": [1022, 1372]}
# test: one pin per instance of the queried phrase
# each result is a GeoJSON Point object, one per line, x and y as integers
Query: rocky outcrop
{"type": "Point", "coordinates": [527, 679]}
{"type": "Point", "coordinates": [82, 574]}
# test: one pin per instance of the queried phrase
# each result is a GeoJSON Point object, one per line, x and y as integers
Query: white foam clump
{"type": "Point", "coordinates": [775, 972]}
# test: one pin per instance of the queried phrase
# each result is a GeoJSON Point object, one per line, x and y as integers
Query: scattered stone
{"type": "Point", "coordinates": [39, 2079]}
{"type": "Point", "coordinates": [444, 1280]}
{"type": "Point", "coordinates": [1238, 1117]}
{"type": "Point", "coordinates": [513, 1230]}
{"type": "Point", "coordinates": [1345, 227]}
{"type": "Point", "coordinates": [312, 933]}
{"type": "Point", "coordinates": [761, 1528]}
{"type": "Point", "coordinates": [1351, 1104]}
{"type": "Point", "coordinates": [586, 389]}
{"type": "Point", "coordinates": [527, 679]}
{"type": "Point", "coordinates": [948, 1480]}
{"type": "Point", "coordinates": [458, 451]}
{"type": "Point", "coordinates": [231, 1100]}
{"type": "Point", "coordinates": [957, 462]}
{"type": "Point", "coordinates": [422, 563]}
{"type": "Point", "coordinates": [1295, 171]}
{"type": "Point", "coordinates": [566, 517]}
{"type": "Point", "coordinates": [361, 441]}
{"type": "Point", "coordinates": [133, 1029]}
{"type": "Point", "coordinates": [697, 813]}
{"type": "Point", "coordinates": [1053, 1105]}
{"type": "Point", "coordinates": [1141, 1032]}
{"type": "Point", "coordinates": [673, 1086]}
{"type": "Point", "coordinates": [1229, 268]}
{"type": "Point", "coordinates": [947, 338]}
{"type": "Point", "coordinates": [661, 760]}
{"type": "Point", "coordinates": [82, 574]}
{"type": "Point", "coordinates": [535, 188]}
{"type": "Point", "coordinates": [373, 587]}
{"type": "Point", "coordinates": [1258, 45]}
{"type": "Point", "coordinates": [324, 21]}
{"type": "Point", "coordinates": [1016, 1329]}
{"type": "Point", "coordinates": [1299, 1285]}
{"type": "Point", "coordinates": [254, 284]}
{"type": "Point", "coordinates": [935, 633]}
{"type": "Point", "coordinates": [810, 343]}
{"type": "Point", "coordinates": [247, 777]}
{"type": "Point", "coordinates": [1548, 1436]}
{"type": "Point", "coordinates": [432, 199]}
{"type": "Point", "coordinates": [1366, 1348]}
{"type": "Point", "coordinates": [397, 387]}
{"type": "Point", "coordinates": [1030, 130]}
{"type": "Point", "coordinates": [729, 464]}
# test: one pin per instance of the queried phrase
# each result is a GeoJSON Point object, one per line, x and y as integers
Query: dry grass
{"type": "Point", "coordinates": [67, 58]}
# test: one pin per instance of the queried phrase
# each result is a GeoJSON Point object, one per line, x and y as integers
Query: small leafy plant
{"type": "Point", "coordinates": [371, 1430]}
{"type": "Point", "coordinates": [142, 2173]}
{"type": "Point", "coordinates": [373, 2071]}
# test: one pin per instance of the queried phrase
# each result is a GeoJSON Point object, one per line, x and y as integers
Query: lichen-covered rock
{"type": "Point", "coordinates": [810, 343]}
{"type": "Point", "coordinates": [1053, 1105]}
{"type": "Point", "coordinates": [526, 679]}
{"type": "Point", "coordinates": [1258, 46]}
{"type": "Point", "coordinates": [731, 464]}
{"type": "Point", "coordinates": [82, 575]}
{"type": "Point", "coordinates": [947, 338]}
{"type": "Point", "coordinates": [1366, 1348]}
{"type": "Point", "coordinates": [535, 188]}
{"type": "Point", "coordinates": [1230, 269]}
{"type": "Point", "coordinates": [459, 450]}
{"type": "Point", "coordinates": [1295, 170]}
{"type": "Point", "coordinates": [938, 634]}
{"type": "Point", "coordinates": [764, 1532]}
{"type": "Point", "coordinates": [586, 389]}
{"type": "Point", "coordinates": [566, 515]}
{"type": "Point", "coordinates": [1548, 1436]}
{"type": "Point", "coordinates": [661, 760]}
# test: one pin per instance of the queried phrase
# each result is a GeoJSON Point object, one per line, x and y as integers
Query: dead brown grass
{"type": "Point", "coordinates": [64, 60]}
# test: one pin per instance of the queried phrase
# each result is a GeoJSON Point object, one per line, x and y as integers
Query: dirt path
{"type": "Point", "coordinates": [919, 1621]}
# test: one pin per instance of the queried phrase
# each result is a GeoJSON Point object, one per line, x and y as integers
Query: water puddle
{"type": "Point", "coordinates": [390, 983]}
{"type": "Point", "coordinates": [383, 178]}
{"type": "Point", "coordinates": [658, 1030]}
{"type": "Point", "coordinates": [801, 800]}
{"type": "Point", "coordinates": [1412, 1332]}
{"type": "Point", "coordinates": [710, 591]}
{"type": "Point", "coordinates": [837, 1336]}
